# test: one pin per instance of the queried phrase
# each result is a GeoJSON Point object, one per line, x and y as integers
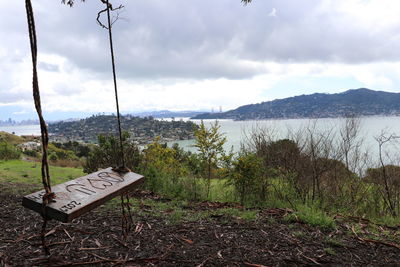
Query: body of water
{"type": "Point", "coordinates": [22, 129]}
{"type": "Point", "coordinates": [370, 127]}
{"type": "Point", "coordinates": [236, 131]}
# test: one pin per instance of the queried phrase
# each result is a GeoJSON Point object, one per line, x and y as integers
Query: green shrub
{"type": "Point", "coordinates": [53, 156]}
{"type": "Point", "coordinates": [247, 176]}
{"type": "Point", "coordinates": [107, 153]}
{"type": "Point", "coordinates": [31, 153]}
{"type": "Point", "coordinates": [8, 151]}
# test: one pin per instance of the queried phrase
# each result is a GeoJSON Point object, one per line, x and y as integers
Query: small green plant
{"type": "Point", "coordinates": [248, 215]}
{"type": "Point", "coordinates": [330, 251]}
{"type": "Point", "coordinates": [176, 217]}
{"type": "Point", "coordinates": [334, 242]}
{"type": "Point", "coordinates": [388, 220]}
{"type": "Point", "coordinates": [312, 216]}
{"type": "Point", "coordinates": [298, 234]}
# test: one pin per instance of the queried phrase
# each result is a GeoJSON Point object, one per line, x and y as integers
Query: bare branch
{"type": "Point", "coordinates": [105, 10]}
{"type": "Point", "coordinates": [98, 18]}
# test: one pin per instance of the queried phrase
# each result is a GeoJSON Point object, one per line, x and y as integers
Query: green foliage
{"type": "Point", "coordinates": [270, 173]}
{"type": "Point", "coordinates": [330, 251]}
{"type": "Point", "coordinates": [165, 159]}
{"type": "Point", "coordinates": [334, 242]}
{"type": "Point", "coordinates": [312, 216]}
{"type": "Point", "coordinates": [8, 151]}
{"type": "Point", "coordinates": [298, 234]}
{"type": "Point", "coordinates": [147, 128]}
{"type": "Point", "coordinates": [209, 142]}
{"type": "Point", "coordinates": [176, 217]}
{"type": "Point", "coordinates": [53, 157]}
{"type": "Point", "coordinates": [283, 154]}
{"type": "Point", "coordinates": [79, 149]}
{"type": "Point", "coordinates": [31, 153]}
{"type": "Point", "coordinates": [108, 153]}
{"type": "Point", "coordinates": [56, 153]}
{"type": "Point", "coordinates": [247, 176]}
{"type": "Point", "coordinates": [170, 171]}
{"type": "Point", "coordinates": [385, 181]}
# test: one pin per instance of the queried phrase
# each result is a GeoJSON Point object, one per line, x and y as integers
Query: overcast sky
{"type": "Point", "coordinates": [195, 54]}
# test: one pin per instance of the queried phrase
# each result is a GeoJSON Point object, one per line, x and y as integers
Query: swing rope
{"type": "Point", "coordinates": [48, 196]}
{"type": "Point", "coordinates": [125, 205]}
{"type": "Point", "coordinates": [122, 157]}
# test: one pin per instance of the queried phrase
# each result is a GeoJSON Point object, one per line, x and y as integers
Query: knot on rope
{"type": "Point", "coordinates": [48, 198]}
{"type": "Point", "coordinates": [121, 169]}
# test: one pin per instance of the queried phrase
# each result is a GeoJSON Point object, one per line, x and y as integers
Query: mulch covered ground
{"type": "Point", "coordinates": [95, 239]}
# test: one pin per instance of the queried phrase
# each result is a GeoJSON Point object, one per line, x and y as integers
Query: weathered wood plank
{"type": "Point", "coordinates": [76, 197]}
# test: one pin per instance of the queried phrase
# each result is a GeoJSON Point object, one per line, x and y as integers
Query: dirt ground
{"type": "Point", "coordinates": [95, 240]}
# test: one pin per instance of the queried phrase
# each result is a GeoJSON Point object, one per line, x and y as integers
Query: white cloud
{"type": "Point", "coordinates": [21, 112]}
{"type": "Point", "coordinates": [196, 54]}
{"type": "Point", "coordinates": [189, 94]}
{"type": "Point", "coordinates": [272, 13]}
{"type": "Point", "coordinates": [371, 15]}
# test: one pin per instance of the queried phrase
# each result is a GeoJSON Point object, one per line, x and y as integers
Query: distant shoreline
{"type": "Point", "coordinates": [230, 119]}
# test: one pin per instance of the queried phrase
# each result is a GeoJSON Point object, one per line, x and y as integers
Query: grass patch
{"type": "Point", "coordinates": [387, 220]}
{"type": "Point", "coordinates": [247, 215]}
{"type": "Point", "coordinates": [176, 217]}
{"type": "Point", "coordinates": [10, 138]}
{"type": "Point", "coordinates": [177, 211]}
{"type": "Point", "coordinates": [221, 191]}
{"type": "Point", "coordinates": [312, 216]}
{"type": "Point", "coordinates": [330, 251]}
{"type": "Point", "coordinates": [334, 242]}
{"type": "Point", "coordinates": [18, 171]}
{"type": "Point", "coordinates": [298, 234]}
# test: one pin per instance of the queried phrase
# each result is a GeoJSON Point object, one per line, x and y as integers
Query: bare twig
{"type": "Point", "coordinates": [105, 10]}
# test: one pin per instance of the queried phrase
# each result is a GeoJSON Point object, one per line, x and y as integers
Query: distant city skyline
{"type": "Point", "coordinates": [196, 55]}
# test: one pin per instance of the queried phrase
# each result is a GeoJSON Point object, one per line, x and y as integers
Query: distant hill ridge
{"type": "Point", "coordinates": [360, 102]}
{"type": "Point", "coordinates": [169, 114]}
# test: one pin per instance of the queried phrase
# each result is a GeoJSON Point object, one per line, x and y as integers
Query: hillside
{"type": "Point", "coordinates": [169, 114]}
{"type": "Point", "coordinates": [142, 130]}
{"type": "Point", "coordinates": [360, 102]}
{"type": "Point", "coordinates": [10, 138]}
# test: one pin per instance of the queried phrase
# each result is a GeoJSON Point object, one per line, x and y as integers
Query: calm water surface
{"type": "Point", "coordinates": [22, 129]}
{"type": "Point", "coordinates": [236, 131]}
{"type": "Point", "coordinates": [370, 127]}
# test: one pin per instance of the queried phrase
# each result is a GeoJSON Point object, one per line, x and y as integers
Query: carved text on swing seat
{"type": "Point", "coordinates": [78, 196]}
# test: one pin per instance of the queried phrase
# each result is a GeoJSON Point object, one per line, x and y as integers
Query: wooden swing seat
{"type": "Point", "coordinates": [76, 197]}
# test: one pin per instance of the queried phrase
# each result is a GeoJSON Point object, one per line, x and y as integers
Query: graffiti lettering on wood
{"type": "Point", "coordinates": [82, 194]}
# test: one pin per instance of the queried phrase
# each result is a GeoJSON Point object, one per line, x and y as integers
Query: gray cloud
{"type": "Point", "coordinates": [11, 97]}
{"type": "Point", "coordinates": [49, 67]}
{"type": "Point", "coordinates": [198, 39]}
